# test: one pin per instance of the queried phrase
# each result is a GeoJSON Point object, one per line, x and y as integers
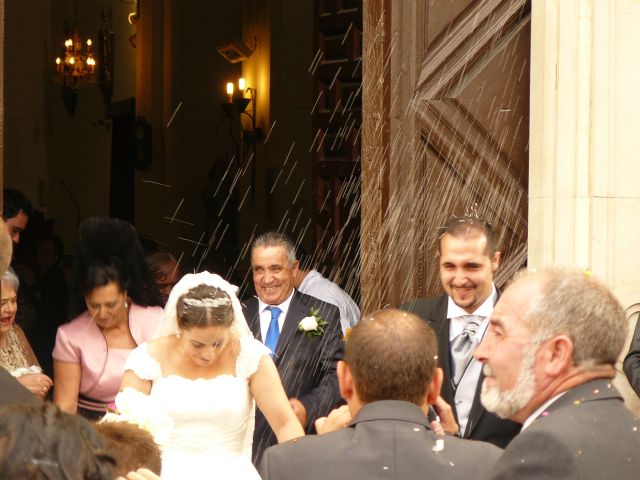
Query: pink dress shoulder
{"type": "Point", "coordinates": [81, 341]}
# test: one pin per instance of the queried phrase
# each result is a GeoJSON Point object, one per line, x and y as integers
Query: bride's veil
{"type": "Point", "coordinates": [169, 325]}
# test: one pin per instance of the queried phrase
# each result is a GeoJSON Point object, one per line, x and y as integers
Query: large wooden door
{"type": "Point", "coordinates": [445, 131]}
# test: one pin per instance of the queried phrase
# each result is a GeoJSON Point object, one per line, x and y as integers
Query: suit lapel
{"type": "Point", "coordinates": [296, 312]}
{"type": "Point", "coordinates": [253, 317]}
{"type": "Point", "coordinates": [440, 324]}
{"type": "Point", "coordinates": [476, 407]}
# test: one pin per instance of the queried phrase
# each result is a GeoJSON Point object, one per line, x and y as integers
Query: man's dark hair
{"type": "Point", "coordinates": [468, 226]}
{"type": "Point", "coordinates": [130, 446]}
{"type": "Point", "coordinates": [392, 356]}
{"type": "Point", "coordinates": [13, 201]}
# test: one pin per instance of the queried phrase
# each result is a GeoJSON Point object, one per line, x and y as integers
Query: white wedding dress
{"type": "Point", "coordinates": [212, 419]}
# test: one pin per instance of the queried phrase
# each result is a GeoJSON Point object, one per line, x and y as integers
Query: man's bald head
{"type": "Point", "coordinates": [392, 356]}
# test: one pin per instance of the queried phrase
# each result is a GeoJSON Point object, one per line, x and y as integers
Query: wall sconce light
{"type": "Point", "coordinates": [236, 106]}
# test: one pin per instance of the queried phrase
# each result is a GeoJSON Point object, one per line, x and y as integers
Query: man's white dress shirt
{"type": "Point", "coordinates": [316, 285]}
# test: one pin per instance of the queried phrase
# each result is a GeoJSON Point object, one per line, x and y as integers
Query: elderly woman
{"type": "Point", "coordinates": [118, 312]}
{"type": "Point", "coordinates": [16, 354]}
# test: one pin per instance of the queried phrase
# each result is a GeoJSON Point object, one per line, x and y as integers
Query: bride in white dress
{"type": "Point", "coordinates": [203, 371]}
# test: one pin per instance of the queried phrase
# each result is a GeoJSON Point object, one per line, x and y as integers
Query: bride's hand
{"type": "Point", "coordinates": [337, 419]}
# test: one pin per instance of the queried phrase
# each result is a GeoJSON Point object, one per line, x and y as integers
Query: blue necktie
{"type": "Point", "coordinates": [273, 333]}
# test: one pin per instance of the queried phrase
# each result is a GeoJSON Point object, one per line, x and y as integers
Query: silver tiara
{"type": "Point", "coordinates": [206, 302]}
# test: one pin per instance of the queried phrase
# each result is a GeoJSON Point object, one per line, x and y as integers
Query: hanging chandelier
{"type": "Point", "coordinates": [77, 66]}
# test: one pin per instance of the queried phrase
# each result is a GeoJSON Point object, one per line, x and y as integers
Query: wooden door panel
{"type": "Point", "coordinates": [463, 141]}
{"type": "Point", "coordinates": [472, 105]}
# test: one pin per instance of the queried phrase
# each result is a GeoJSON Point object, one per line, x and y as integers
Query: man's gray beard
{"type": "Point", "coordinates": [506, 403]}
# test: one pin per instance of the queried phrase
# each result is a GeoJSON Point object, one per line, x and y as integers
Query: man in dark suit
{"type": "Point", "coordinates": [389, 378]}
{"type": "Point", "coordinates": [468, 258]}
{"type": "Point", "coordinates": [549, 357]}
{"type": "Point", "coordinates": [305, 352]}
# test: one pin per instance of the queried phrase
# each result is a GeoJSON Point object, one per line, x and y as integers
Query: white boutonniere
{"type": "Point", "coordinates": [313, 325]}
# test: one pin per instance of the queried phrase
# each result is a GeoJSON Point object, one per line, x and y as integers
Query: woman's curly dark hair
{"type": "Point", "coordinates": [40, 442]}
{"type": "Point", "coordinates": [109, 250]}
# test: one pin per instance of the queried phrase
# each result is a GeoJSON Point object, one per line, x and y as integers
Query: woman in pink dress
{"type": "Point", "coordinates": [115, 304]}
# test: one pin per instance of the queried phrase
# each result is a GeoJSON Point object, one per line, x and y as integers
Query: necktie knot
{"type": "Point", "coordinates": [275, 312]}
{"type": "Point", "coordinates": [472, 322]}
{"type": "Point", "coordinates": [462, 347]}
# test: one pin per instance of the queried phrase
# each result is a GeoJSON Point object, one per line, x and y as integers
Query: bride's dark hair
{"type": "Point", "coordinates": [204, 306]}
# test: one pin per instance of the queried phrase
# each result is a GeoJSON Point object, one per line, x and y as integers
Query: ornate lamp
{"type": "Point", "coordinates": [76, 67]}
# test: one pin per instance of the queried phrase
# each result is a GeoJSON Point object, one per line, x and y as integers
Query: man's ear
{"type": "Point", "coordinates": [345, 380]}
{"type": "Point", "coordinates": [434, 387]}
{"type": "Point", "coordinates": [495, 261]}
{"type": "Point", "coordinates": [557, 354]}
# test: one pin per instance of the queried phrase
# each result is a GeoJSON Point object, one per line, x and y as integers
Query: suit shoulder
{"type": "Point", "coordinates": [301, 454]}
{"type": "Point", "coordinates": [248, 302]}
{"type": "Point", "coordinates": [313, 302]}
{"type": "Point", "coordinates": [426, 307]}
{"type": "Point", "coordinates": [472, 451]}
{"type": "Point", "coordinates": [538, 453]}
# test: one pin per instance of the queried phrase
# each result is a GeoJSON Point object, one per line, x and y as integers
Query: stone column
{"type": "Point", "coordinates": [584, 143]}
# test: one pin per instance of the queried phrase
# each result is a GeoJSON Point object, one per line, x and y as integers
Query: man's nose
{"type": "Point", "coordinates": [457, 276]}
{"type": "Point", "coordinates": [480, 353]}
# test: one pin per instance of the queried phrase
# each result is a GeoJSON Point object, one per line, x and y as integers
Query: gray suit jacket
{"type": "Point", "coordinates": [388, 439]}
{"type": "Point", "coordinates": [482, 425]}
{"type": "Point", "coordinates": [586, 434]}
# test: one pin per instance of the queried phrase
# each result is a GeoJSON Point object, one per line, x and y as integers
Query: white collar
{"type": "Point", "coordinates": [284, 306]}
{"type": "Point", "coordinates": [483, 310]}
{"type": "Point", "coordinates": [530, 419]}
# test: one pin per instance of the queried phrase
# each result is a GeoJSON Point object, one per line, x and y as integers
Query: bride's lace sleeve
{"type": "Point", "coordinates": [142, 364]}
{"type": "Point", "coordinates": [251, 351]}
